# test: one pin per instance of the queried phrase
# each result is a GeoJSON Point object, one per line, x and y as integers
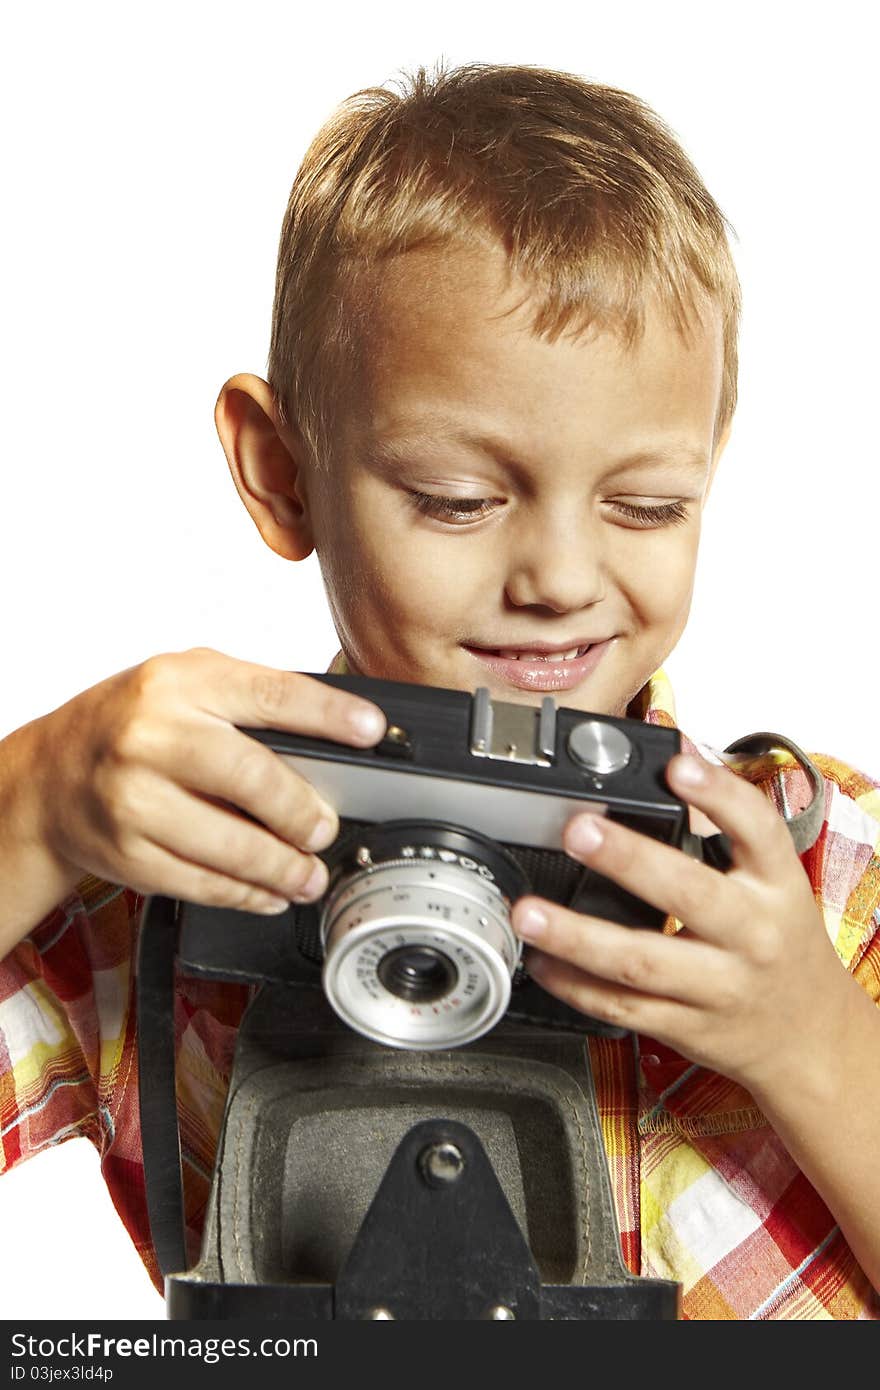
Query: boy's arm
{"type": "Point", "coordinates": [32, 880]}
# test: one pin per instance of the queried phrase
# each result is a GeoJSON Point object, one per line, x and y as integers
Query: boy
{"type": "Point", "coordinates": [501, 378]}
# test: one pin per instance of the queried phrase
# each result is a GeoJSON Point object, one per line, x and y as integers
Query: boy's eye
{"type": "Point", "coordinates": [452, 508]}
{"type": "Point", "coordinates": [463, 509]}
{"type": "Point", "coordinates": [667, 514]}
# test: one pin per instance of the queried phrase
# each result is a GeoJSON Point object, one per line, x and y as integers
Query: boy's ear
{"type": "Point", "coordinates": [265, 463]}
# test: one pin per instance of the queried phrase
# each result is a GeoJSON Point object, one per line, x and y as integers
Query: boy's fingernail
{"type": "Point", "coordinates": [367, 722]}
{"type": "Point", "coordinates": [316, 884]}
{"type": "Point", "coordinates": [690, 771]}
{"type": "Point", "coordinates": [530, 922]}
{"type": "Point", "coordinates": [323, 835]}
{"type": "Point", "coordinates": [270, 906]}
{"type": "Point", "coordinates": [584, 835]}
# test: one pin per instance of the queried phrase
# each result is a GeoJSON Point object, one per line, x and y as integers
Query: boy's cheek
{"type": "Point", "coordinates": [398, 615]}
{"type": "Point", "coordinates": [416, 579]}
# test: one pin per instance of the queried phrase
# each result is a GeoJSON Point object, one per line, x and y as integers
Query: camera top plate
{"type": "Point", "coordinates": [444, 755]}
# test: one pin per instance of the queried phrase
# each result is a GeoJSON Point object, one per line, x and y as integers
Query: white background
{"type": "Point", "coordinates": [148, 154]}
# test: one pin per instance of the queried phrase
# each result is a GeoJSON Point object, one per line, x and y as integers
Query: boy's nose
{"type": "Point", "coordinates": [558, 565]}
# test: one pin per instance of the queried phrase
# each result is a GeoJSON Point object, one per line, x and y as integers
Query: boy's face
{"type": "Point", "coordinates": [542, 451]}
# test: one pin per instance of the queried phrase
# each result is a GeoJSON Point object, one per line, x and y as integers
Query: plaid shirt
{"type": "Point", "coordinates": [706, 1193]}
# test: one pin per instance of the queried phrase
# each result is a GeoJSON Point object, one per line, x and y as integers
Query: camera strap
{"type": "Point", "coordinates": [760, 757]}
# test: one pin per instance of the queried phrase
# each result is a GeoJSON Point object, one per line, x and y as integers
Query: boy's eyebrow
{"type": "Point", "coordinates": [665, 458]}
{"type": "Point", "coordinates": [667, 455]}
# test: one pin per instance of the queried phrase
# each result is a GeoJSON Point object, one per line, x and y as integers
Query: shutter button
{"type": "Point", "coordinates": [599, 748]}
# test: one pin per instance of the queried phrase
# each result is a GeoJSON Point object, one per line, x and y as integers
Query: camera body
{"type": "Point", "coordinates": [455, 814]}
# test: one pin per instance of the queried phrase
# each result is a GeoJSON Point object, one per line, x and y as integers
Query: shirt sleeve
{"type": "Point", "coordinates": [844, 866]}
{"type": "Point", "coordinates": [68, 1053]}
{"type": "Point", "coordinates": [65, 1007]}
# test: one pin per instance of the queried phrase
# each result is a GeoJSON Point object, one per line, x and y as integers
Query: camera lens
{"type": "Point", "coordinates": [418, 947]}
{"type": "Point", "coordinates": [420, 974]}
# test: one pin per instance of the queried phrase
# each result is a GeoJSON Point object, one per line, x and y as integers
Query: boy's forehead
{"type": "Point", "coordinates": [451, 352]}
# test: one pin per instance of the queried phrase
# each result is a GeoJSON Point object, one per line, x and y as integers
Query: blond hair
{"type": "Point", "coordinates": [590, 194]}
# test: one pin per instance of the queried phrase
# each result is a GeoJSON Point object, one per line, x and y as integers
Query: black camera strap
{"type": "Point", "coordinates": [758, 757]}
{"type": "Point", "coordinates": [157, 1091]}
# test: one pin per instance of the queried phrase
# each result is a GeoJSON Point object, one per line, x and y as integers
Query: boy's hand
{"type": "Point", "coordinates": [750, 980]}
{"type": "Point", "coordinates": [141, 779]}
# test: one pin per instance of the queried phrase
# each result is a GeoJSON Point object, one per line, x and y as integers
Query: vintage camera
{"type": "Point", "coordinates": [458, 812]}
{"type": "Point", "coordinates": [411, 1129]}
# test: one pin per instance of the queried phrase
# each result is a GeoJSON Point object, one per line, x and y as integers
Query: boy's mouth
{"type": "Point", "coordinates": [525, 654]}
{"type": "Point", "coordinates": [540, 666]}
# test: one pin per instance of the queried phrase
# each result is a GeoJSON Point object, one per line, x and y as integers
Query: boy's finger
{"type": "Point", "coordinates": [158, 870]}
{"type": "Point", "coordinates": [289, 700]}
{"type": "Point", "coordinates": [658, 1017]}
{"type": "Point", "coordinates": [213, 837]}
{"type": "Point", "coordinates": [760, 841]}
{"type": "Point", "coordinates": [661, 876]}
{"type": "Point", "coordinates": [224, 764]}
{"type": "Point", "coordinates": [262, 697]}
{"type": "Point", "coordinates": [688, 970]}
